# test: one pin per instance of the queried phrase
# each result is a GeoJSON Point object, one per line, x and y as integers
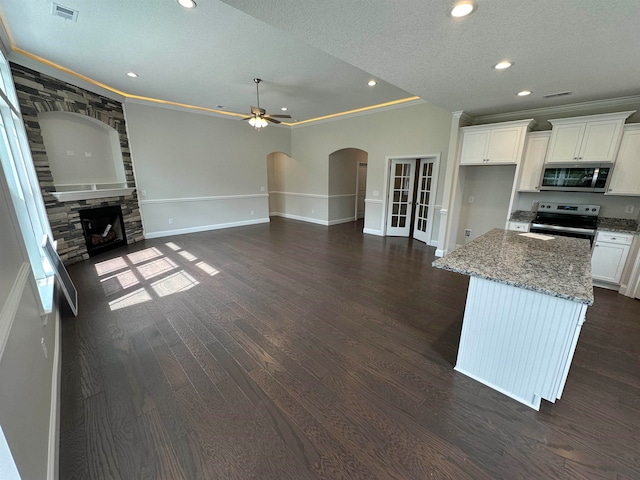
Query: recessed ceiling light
{"type": "Point", "coordinates": [371, 83]}
{"type": "Point", "coordinates": [524, 93]}
{"type": "Point", "coordinates": [284, 109]}
{"type": "Point", "coordinates": [502, 65]}
{"type": "Point", "coordinates": [132, 74]}
{"type": "Point", "coordinates": [462, 8]}
{"type": "Point", "coordinates": [187, 3]}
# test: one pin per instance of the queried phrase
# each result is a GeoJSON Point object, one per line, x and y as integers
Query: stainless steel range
{"type": "Point", "coordinates": [568, 220]}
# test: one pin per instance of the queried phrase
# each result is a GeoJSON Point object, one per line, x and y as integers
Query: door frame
{"type": "Point", "coordinates": [385, 183]}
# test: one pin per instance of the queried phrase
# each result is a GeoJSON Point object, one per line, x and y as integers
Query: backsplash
{"type": "Point", "coordinates": [610, 206]}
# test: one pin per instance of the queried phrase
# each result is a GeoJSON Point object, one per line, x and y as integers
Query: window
{"type": "Point", "coordinates": [24, 188]}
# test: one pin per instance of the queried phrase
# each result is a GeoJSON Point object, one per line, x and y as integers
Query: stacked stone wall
{"type": "Point", "coordinates": [38, 93]}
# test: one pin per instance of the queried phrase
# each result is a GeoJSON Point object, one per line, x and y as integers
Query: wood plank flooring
{"type": "Point", "coordinates": [295, 351]}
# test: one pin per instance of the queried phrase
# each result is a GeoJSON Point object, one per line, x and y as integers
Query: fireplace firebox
{"type": "Point", "coordinates": [103, 229]}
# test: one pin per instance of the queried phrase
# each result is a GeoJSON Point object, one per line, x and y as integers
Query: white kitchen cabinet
{"type": "Point", "coordinates": [625, 179]}
{"type": "Point", "coordinates": [593, 138]}
{"type": "Point", "coordinates": [519, 226]}
{"type": "Point", "coordinates": [495, 144]}
{"type": "Point", "coordinates": [609, 256]}
{"type": "Point", "coordinates": [535, 151]}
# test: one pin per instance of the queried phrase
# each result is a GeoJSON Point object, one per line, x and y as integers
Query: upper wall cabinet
{"type": "Point", "coordinates": [625, 179]}
{"type": "Point", "coordinates": [495, 144]}
{"type": "Point", "coordinates": [535, 151]}
{"type": "Point", "coordinates": [593, 138]}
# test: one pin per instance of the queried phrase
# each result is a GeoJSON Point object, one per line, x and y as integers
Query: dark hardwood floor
{"type": "Point", "coordinates": [296, 351]}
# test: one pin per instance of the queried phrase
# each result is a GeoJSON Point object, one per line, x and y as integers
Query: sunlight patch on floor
{"type": "Point", "coordinates": [206, 268]}
{"type": "Point", "coordinates": [132, 298]}
{"type": "Point", "coordinates": [187, 256]}
{"type": "Point", "coordinates": [109, 266]}
{"type": "Point", "coordinates": [144, 255]}
{"type": "Point", "coordinates": [156, 267]}
{"type": "Point", "coordinates": [178, 282]}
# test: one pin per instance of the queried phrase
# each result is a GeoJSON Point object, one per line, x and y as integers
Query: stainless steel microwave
{"type": "Point", "coordinates": [576, 177]}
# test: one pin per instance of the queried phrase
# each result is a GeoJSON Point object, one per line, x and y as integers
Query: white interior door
{"type": "Point", "coordinates": [401, 180]}
{"type": "Point", "coordinates": [425, 198]}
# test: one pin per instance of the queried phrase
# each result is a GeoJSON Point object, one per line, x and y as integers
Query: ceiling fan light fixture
{"type": "Point", "coordinates": [187, 4]}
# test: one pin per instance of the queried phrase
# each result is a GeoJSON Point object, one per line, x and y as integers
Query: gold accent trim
{"type": "Point", "coordinates": [355, 110]}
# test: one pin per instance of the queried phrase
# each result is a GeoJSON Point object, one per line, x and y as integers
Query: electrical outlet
{"type": "Point", "coordinates": [313, 211]}
{"type": "Point", "coordinates": [143, 192]}
{"type": "Point", "coordinates": [629, 209]}
{"type": "Point", "coordinates": [70, 153]}
{"type": "Point", "coordinates": [472, 199]}
{"type": "Point", "coordinates": [251, 212]}
{"type": "Point", "coordinates": [467, 232]}
{"type": "Point", "coordinates": [87, 154]}
{"type": "Point", "coordinates": [171, 221]}
{"type": "Point", "coordinates": [262, 189]}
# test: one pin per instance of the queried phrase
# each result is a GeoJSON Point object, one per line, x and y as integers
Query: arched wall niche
{"type": "Point", "coordinates": [82, 151]}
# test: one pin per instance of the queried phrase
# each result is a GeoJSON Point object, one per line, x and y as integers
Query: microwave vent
{"type": "Point", "coordinates": [64, 12]}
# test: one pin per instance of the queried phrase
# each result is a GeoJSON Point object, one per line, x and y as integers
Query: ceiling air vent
{"type": "Point", "coordinates": [559, 94]}
{"type": "Point", "coordinates": [64, 12]}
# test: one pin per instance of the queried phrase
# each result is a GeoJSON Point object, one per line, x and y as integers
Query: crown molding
{"type": "Point", "coordinates": [570, 109]}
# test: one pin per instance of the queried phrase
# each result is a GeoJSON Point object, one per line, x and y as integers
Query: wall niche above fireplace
{"type": "Point", "coordinates": [84, 156]}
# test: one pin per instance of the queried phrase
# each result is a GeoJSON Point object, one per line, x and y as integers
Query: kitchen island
{"type": "Point", "coordinates": [526, 304]}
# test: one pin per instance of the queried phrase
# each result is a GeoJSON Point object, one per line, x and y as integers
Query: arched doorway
{"type": "Point", "coordinates": [347, 185]}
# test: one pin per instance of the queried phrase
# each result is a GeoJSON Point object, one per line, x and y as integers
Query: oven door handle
{"type": "Point", "coordinates": [563, 229]}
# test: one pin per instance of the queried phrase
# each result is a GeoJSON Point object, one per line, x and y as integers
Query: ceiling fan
{"type": "Point", "coordinates": [259, 116]}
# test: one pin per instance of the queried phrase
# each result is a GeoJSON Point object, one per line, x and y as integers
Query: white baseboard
{"type": "Point", "coordinates": [372, 231]}
{"type": "Point", "coordinates": [341, 220]}
{"type": "Point", "coordinates": [54, 414]}
{"type": "Point", "coordinates": [301, 218]}
{"type": "Point", "coordinates": [608, 286]}
{"type": "Point", "coordinates": [439, 252]}
{"type": "Point", "coordinates": [204, 228]}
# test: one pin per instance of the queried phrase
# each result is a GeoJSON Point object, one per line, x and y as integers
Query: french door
{"type": "Point", "coordinates": [403, 180]}
{"type": "Point", "coordinates": [425, 196]}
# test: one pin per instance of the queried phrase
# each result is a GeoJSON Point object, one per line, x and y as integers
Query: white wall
{"type": "Point", "coordinates": [490, 187]}
{"type": "Point", "coordinates": [27, 378]}
{"type": "Point", "coordinates": [200, 171]}
{"type": "Point", "coordinates": [416, 130]}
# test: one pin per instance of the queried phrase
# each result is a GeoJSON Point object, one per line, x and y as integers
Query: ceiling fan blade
{"type": "Point", "coordinates": [257, 110]}
{"type": "Point", "coordinates": [272, 120]}
{"type": "Point", "coordinates": [247, 118]}
{"type": "Point", "coordinates": [278, 116]}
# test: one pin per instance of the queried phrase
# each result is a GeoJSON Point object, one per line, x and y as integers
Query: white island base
{"type": "Point", "coordinates": [517, 341]}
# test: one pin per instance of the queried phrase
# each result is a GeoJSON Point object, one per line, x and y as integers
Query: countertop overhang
{"type": "Point", "coordinates": [560, 267]}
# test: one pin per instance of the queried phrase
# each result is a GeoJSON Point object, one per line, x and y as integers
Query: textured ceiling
{"type": "Point", "coordinates": [316, 56]}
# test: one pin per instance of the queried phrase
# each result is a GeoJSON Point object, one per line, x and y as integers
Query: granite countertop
{"type": "Point", "coordinates": [560, 267]}
{"type": "Point", "coordinates": [618, 225]}
{"type": "Point", "coordinates": [522, 216]}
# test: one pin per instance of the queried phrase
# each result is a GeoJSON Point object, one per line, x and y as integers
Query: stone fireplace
{"type": "Point", "coordinates": [103, 229]}
{"type": "Point", "coordinates": [39, 94]}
